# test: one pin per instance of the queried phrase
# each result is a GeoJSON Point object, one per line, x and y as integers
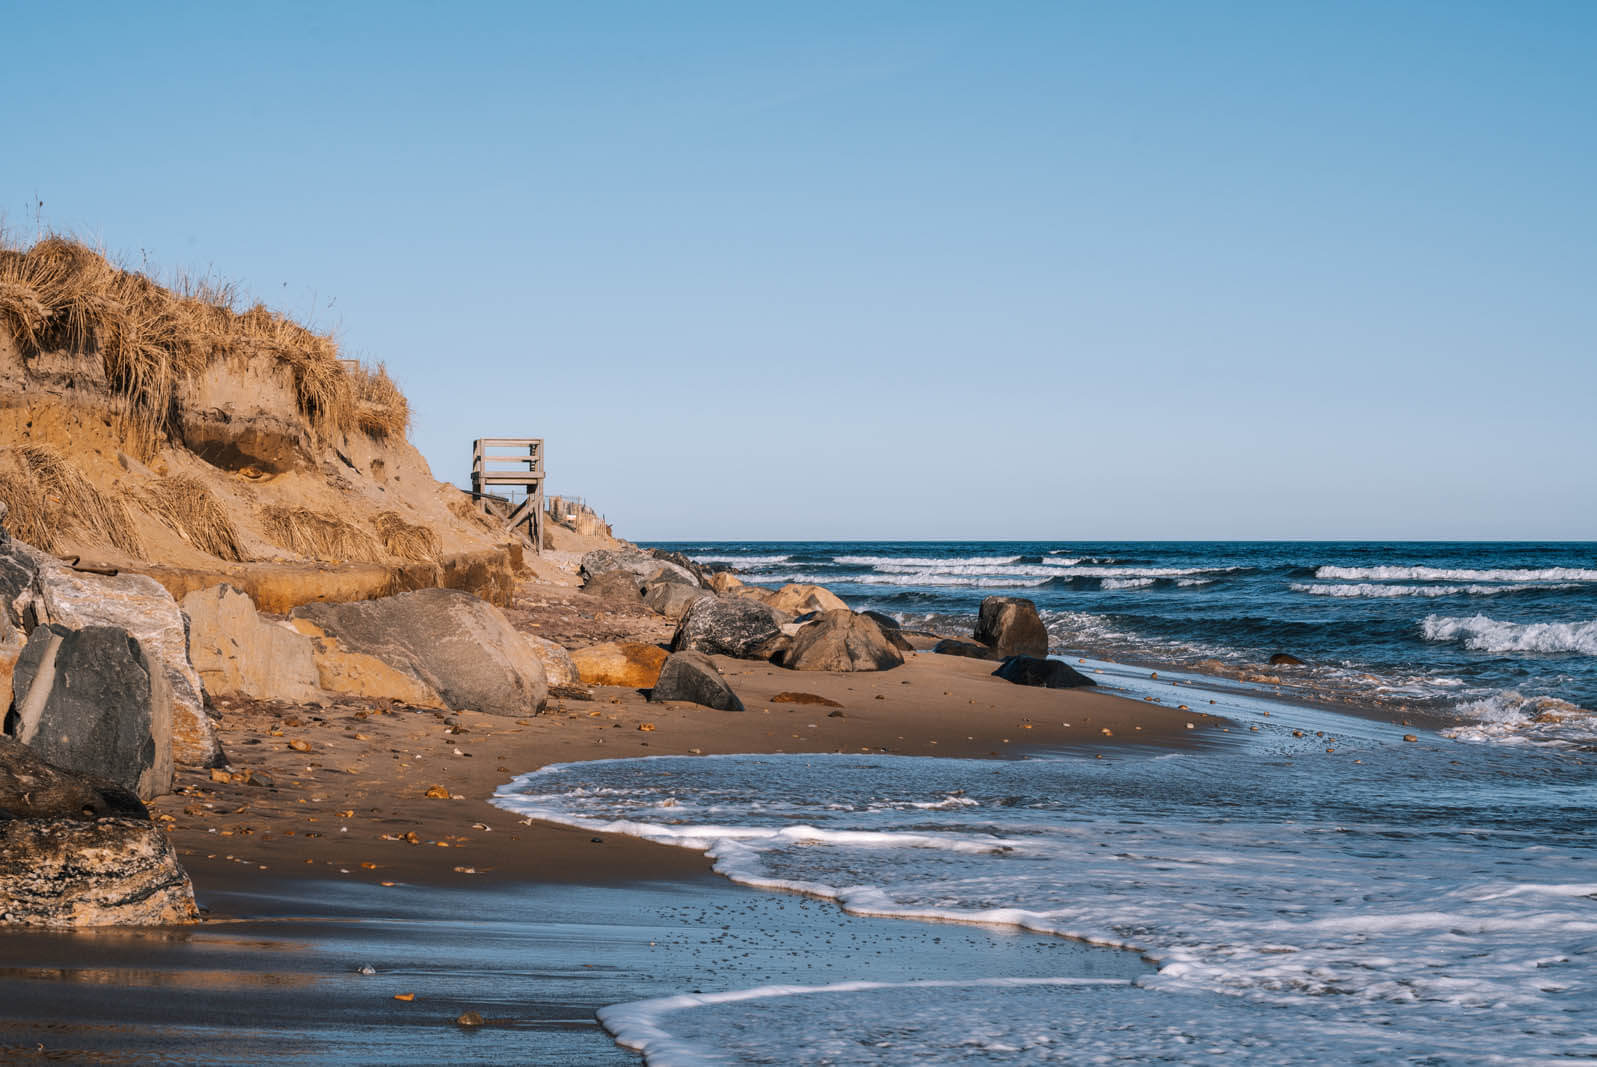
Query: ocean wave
{"type": "Point", "coordinates": [1027, 570]}
{"type": "Point", "coordinates": [1368, 589]}
{"type": "Point", "coordinates": [1485, 634]}
{"type": "Point", "coordinates": [928, 578]}
{"type": "Point", "coordinates": [1442, 574]}
{"type": "Point", "coordinates": [1189, 582]}
{"type": "Point", "coordinates": [1512, 717]}
{"type": "Point", "coordinates": [1128, 583]}
{"type": "Point", "coordinates": [924, 561]}
{"type": "Point", "coordinates": [741, 559]}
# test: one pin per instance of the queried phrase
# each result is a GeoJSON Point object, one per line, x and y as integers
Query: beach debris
{"type": "Point", "coordinates": [835, 715]}
{"type": "Point", "coordinates": [804, 698]}
{"type": "Point", "coordinates": [300, 745]}
{"type": "Point", "coordinates": [1107, 732]}
{"type": "Point", "coordinates": [468, 1018]}
{"type": "Point", "coordinates": [465, 870]}
{"type": "Point", "coordinates": [219, 775]}
{"type": "Point", "coordinates": [1410, 737]}
{"type": "Point", "coordinates": [646, 726]}
{"type": "Point", "coordinates": [365, 968]}
{"type": "Point", "coordinates": [404, 996]}
{"type": "Point", "coordinates": [1297, 733]}
{"type": "Point", "coordinates": [437, 792]}
{"type": "Point", "coordinates": [1191, 727]}
{"type": "Point", "coordinates": [595, 840]}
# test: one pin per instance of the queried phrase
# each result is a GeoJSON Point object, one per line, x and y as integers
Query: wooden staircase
{"type": "Point", "coordinates": [513, 462]}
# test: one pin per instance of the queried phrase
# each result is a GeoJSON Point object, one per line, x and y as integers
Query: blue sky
{"type": "Point", "coordinates": [877, 270]}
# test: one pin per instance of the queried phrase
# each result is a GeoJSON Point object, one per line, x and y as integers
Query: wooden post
{"type": "Point", "coordinates": [522, 468]}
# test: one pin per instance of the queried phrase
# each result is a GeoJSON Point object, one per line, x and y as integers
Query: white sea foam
{"type": "Point", "coordinates": [1514, 718]}
{"type": "Point", "coordinates": [944, 563]}
{"type": "Point", "coordinates": [751, 560]}
{"type": "Point", "coordinates": [1442, 574]}
{"type": "Point", "coordinates": [1128, 583]}
{"type": "Point", "coordinates": [1186, 582]}
{"type": "Point", "coordinates": [1379, 591]}
{"type": "Point", "coordinates": [1485, 634]}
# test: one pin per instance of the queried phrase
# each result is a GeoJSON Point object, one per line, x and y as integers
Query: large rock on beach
{"type": "Point", "coordinates": [840, 641]}
{"type": "Point", "coordinates": [617, 586]}
{"type": "Point", "coordinates": [238, 654]}
{"type": "Point", "coordinates": [1010, 626]}
{"type": "Point", "coordinates": [796, 599]}
{"type": "Point", "coordinates": [690, 676]}
{"type": "Point", "coordinates": [558, 667]}
{"type": "Point", "coordinates": [141, 606]}
{"type": "Point", "coordinates": [343, 673]}
{"type": "Point", "coordinates": [639, 563]}
{"type": "Point", "coordinates": [461, 647]}
{"type": "Point", "coordinates": [671, 598]}
{"type": "Point", "coordinates": [726, 626]}
{"type": "Point", "coordinates": [892, 629]}
{"type": "Point", "coordinates": [681, 564]}
{"type": "Point", "coordinates": [94, 702]}
{"type": "Point", "coordinates": [724, 582]}
{"type": "Point", "coordinates": [625, 663]}
{"type": "Point", "coordinates": [1047, 673]}
{"type": "Point", "coordinates": [79, 851]}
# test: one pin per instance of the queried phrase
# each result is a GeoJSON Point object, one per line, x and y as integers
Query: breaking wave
{"type": "Point", "coordinates": [1442, 574]}
{"type": "Point", "coordinates": [1368, 589]}
{"type": "Point", "coordinates": [1485, 634]}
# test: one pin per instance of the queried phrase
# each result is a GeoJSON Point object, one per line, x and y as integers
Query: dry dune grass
{"type": "Point", "coordinates": [189, 508]}
{"type": "Point", "coordinates": [406, 539]}
{"type": "Point", "coordinates": [316, 536]}
{"type": "Point", "coordinates": [47, 497]}
{"type": "Point", "coordinates": [62, 294]}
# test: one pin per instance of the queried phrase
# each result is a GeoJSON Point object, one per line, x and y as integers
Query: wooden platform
{"type": "Point", "coordinates": [512, 462]}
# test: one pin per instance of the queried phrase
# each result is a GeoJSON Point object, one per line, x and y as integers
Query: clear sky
{"type": "Point", "coordinates": [892, 270]}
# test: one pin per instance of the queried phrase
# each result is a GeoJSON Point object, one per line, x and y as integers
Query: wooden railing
{"type": "Point", "coordinates": [512, 462]}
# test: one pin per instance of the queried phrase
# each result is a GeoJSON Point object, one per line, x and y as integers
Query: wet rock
{"type": "Point", "coordinates": [469, 1019]}
{"type": "Point", "coordinates": [798, 599]}
{"type": "Point", "coordinates": [725, 626]}
{"type": "Point", "coordinates": [1047, 673]}
{"type": "Point", "coordinates": [840, 641]}
{"type": "Point", "coordinates": [94, 702]}
{"type": "Point", "coordinates": [236, 653]}
{"type": "Point", "coordinates": [671, 598]}
{"type": "Point", "coordinates": [625, 663]}
{"type": "Point", "coordinates": [804, 698]}
{"type": "Point", "coordinates": [1010, 626]}
{"type": "Point", "coordinates": [958, 646]}
{"type": "Point", "coordinates": [459, 646]}
{"type": "Point", "coordinates": [690, 676]}
{"type": "Point", "coordinates": [1282, 659]}
{"type": "Point", "coordinates": [77, 851]}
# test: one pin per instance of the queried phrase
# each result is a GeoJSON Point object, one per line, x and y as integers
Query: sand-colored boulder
{"type": "Point", "coordinates": [79, 600]}
{"type": "Point", "coordinates": [617, 586]}
{"type": "Point", "coordinates": [725, 581]}
{"type": "Point", "coordinates": [692, 677]}
{"type": "Point", "coordinates": [238, 654]}
{"type": "Point", "coordinates": [558, 667]}
{"type": "Point", "coordinates": [625, 663]}
{"type": "Point", "coordinates": [840, 641]}
{"type": "Point", "coordinates": [798, 599]}
{"type": "Point", "coordinates": [463, 648]}
{"type": "Point", "coordinates": [726, 626]}
{"type": "Point", "coordinates": [671, 599]}
{"type": "Point", "coordinates": [1010, 626]}
{"type": "Point", "coordinates": [93, 702]}
{"type": "Point", "coordinates": [636, 561]}
{"type": "Point", "coordinates": [757, 593]}
{"type": "Point", "coordinates": [341, 672]}
{"type": "Point", "coordinates": [77, 851]}
{"type": "Point", "coordinates": [10, 651]}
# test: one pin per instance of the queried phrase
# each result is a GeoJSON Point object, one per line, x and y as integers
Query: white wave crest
{"type": "Point", "coordinates": [924, 561]}
{"type": "Point", "coordinates": [1195, 581]}
{"type": "Point", "coordinates": [740, 559]}
{"type": "Point", "coordinates": [1485, 634]}
{"type": "Point", "coordinates": [1128, 583]}
{"type": "Point", "coordinates": [1369, 589]}
{"type": "Point", "coordinates": [1439, 574]}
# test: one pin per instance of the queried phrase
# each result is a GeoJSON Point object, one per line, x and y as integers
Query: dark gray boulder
{"type": "Point", "coordinates": [618, 585]}
{"type": "Point", "coordinates": [639, 563]}
{"type": "Point", "coordinates": [677, 559]}
{"type": "Point", "coordinates": [81, 851]}
{"type": "Point", "coordinates": [892, 629]}
{"type": "Point", "coordinates": [840, 641]}
{"type": "Point", "coordinates": [1286, 659]}
{"type": "Point", "coordinates": [91, 701]}
{"type": "Point", "coordinates": [671, 598]}
{"type": "Point", "coordinates": [462, 647]}
{"type": "Point", "coordinates": [690, 676]}
{"type": "Point", "coordinates": [725, 626]}
{"type": "Point", "coordinates": [958, 646]}
{"type": "Point", "coordinates": [1047, 673]}
{"type": "Point", "coordinates": [1010, 626]}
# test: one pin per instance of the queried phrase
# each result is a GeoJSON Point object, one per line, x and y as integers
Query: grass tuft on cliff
{"type": "Point", "coordinates": [47, 497]}
{"type": "Point", "coordinates": [316, 536]}
{"type": "Point", "coordinates": [189, 508]}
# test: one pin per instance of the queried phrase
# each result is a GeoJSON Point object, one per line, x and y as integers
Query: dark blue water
{"type": "Point", "coordinates": [1504, 634]}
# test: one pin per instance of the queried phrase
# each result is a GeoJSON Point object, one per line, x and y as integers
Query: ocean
{"type": "Point", "coordinates": [1311, 888]}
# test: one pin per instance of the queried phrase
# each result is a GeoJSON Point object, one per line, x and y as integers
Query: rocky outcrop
{"type": "Point", "coordinates": [625, 663]}
{"type": "Point", "coordinates": [1047, 673]}
{"type": "Point", "coordinates": [671, 599]}
{"type": "Point", "coordinates": [1010, 626]}
{"type": "Point", "coordinates": [724, 582]}
{"type": "Point", "coordinates": [79, 852]}
{"type": "Point", "coordinates": [840, 641]}
{"type": "Point", "coordinates": [343, 673]}
{"type": "Point", "coordinates": [461, 647]}
{"type": "Point", "coordinates": [11, 643]}
{"type": "Point", "coordinates": [558, 667]}
{"type": "Point", "coordinates": [238, 654]}
{"type": "Point", "coordinates": [690, 676]}
{"type": "Point", "coordinates": [958, 646]}
{"type": "Point", "coordinates": [892, 629]}
{"type": "Point", "coordinates": [79, 600]}
{"type": "Point", "coordinates": [93, 702]}
{"type": "Point", "coordinates": [802, 599]}
{"type": "Point", "coordinates": [618, 586]}
{"type": "Point", "coordinates": [634, 560]}
{"type": "Point", "coordinates": [724, 626]}
{"type": "Point", "coordinates": [682, 564]}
